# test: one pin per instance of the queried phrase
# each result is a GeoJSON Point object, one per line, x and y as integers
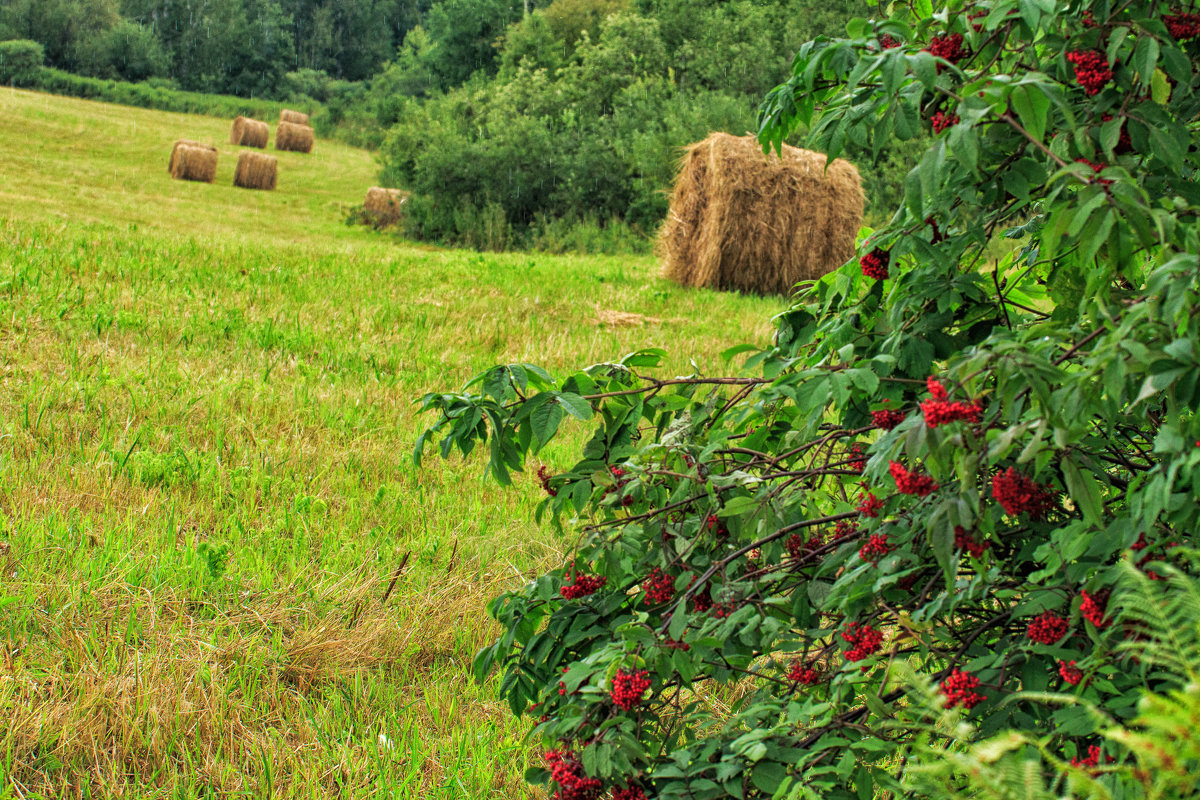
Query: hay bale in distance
{"type": "Point", "coordinates": [248, 132]}
{"type": "Point", "coordinates": [298, 117]}
{"type": "Point", "coordinates": [175, 152]}
{"type": "Point", "coordinates": [383, 206]}
{"type": "Point", "coordinates": [255, 171]}
{"type": "Point", "coordinates": [743, 220]}
{"type": "Point", "coordinates": [192, 161]}
{"type": "Point", "coordinates": [293, 137]}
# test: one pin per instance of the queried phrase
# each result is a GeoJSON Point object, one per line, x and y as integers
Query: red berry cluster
{"type": "Point", "coordinates": [939, 410]}
{"type": "Point", "coordinates": [714, 525]}
{"type": "Point", "coordinates": [965, 541]}
{"type": "Point", "coordinates": [887, 42]}
{"type": "Point", "coordinates": [911, 482]}
{"type": "Point", "coordinates": [628, 688]}
{"type": "Point", "coordinates": [866, 641]}
{"type": "Point", "coordinates": [544, 477]}
{"type": "Point", "coordinates": [885, 419]}
{"type": "Point", "coordinates": [797, 546]}
{"type": "Point", "coordinates": [1020, 495]}
{"type": "Point", "coordinates": [581, 585]}
{"type": "Point", "coordinates": [875, 264]}
{"type": "Point", "coordinates": [723, 610]}
{"type": "Point", "coordinates": [659, 587]}
{"type": "Point", "coordinates": [1089, 21]}
{"type": "Point", "coordinates": [629, 793]}
{"type": "Point", "coordinates": [1092, 759]}
{"type": "Point", "coordinates": [1069, 672]}
{"type": "Point", "coordinates": [802, 674]}
{"type": "Point", "coordinates": [844, 528]}
{"type": "Point", "coordinates": [870, 505]}
{"type": "Point", "coordinates": [675, 644]}
{"type": "Point", "coordinates": [959, 689]}
{"type": "Point", "coordinates": [1048, 628]}
{"type": "Point", "coordinates": [858, 459]}
{"type": "Point", "coordinates": [1091, 70]}
{"type": "Point", "coordinates": [947, 46]}
{"type": "Point", "coordinates": [876, 548]}
{"type": "Point", "coordinates": [701, 601]}
{"type": "Point", "coordinates": [941, 120]}
{"type": "Point", "coordinates": [1183, 26]}
{"type": "Point", "coordinates": [1092, 608]}
{"type": "Point", "coordinates": [976, 26]}
{"type": "Point", "coordinates": [567, 772]}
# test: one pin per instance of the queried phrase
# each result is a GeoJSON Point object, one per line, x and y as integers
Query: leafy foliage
{"type": "Point", "coordinates": [1154, 755]}
{"type": "Point", "coordinates": [988, 420]}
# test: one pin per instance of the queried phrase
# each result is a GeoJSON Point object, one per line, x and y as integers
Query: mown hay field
{"type": "Point", "coordinates": [206, 422]}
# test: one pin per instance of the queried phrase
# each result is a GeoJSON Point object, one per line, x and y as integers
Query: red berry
{"type": "Point", "coordinates": [659, 587]}
{"type": "Point", "coordinates": [1093, 607]}
{"type": "Point", "coordinates": [911, 482]}
{"type": "Point", "coordinates": [1019, 495]}
{"type": "Point", "coordinates": [573, 783]}
{"type": "Point", "coordinates": [544, 477]}
{"type": "Point", "coordinates": [1092, 71]}
{"type": "Point", "coordinates": [1069, 672]}
{"type": "Point", "coordinates": [802, 674]}
{"type": "Point", "coordinates": [628, 688]}
{"type": "Point", "coordinates": [876, 548]}
{"type": "Point", "coordinates": [941, 120]}
{"type": "Point", "coordinates": [959, 688]}
{"type": "Point", "coordinates": [870, 505]}
{"type": "Point", "coordinates": [886, 419]}
{"type": "Point", "coordinates": [581, 585]}
{"type": "Point", "coordinates": [947, 46]}
{"type": "Point", "coordinates": [866, 641]}
{"type": "Point", "coordinates": [1048, 628]}
{"type": "Point", "coordinates": [1183, 26]}
{"type": "Point", "coordinates": [887, 42]}
{"type": "Point", "coordinates": [964, 541]}
{"type": "Point", "coordinates": [875, 264]}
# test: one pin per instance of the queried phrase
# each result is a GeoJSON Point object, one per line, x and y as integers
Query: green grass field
{"type": "Point", "coordinates": [205, 477]}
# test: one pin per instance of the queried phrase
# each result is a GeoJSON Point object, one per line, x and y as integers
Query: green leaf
{"type": "Point", "coordinates": [1084, 490]}
{"type": "Point", "coordinates": [1145, 58]}
{"type": "Point", "coordinates": [1160, 88]}
{"type": "Point", "coordinates": [545, 420]}
{"type": "Point", "coordinates": [575, 405]}
{"type": "Point", "coordinates": [1033, 109]}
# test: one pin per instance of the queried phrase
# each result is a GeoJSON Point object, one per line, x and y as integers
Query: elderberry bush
{"type": "Point", "coordinates": [953, 446]}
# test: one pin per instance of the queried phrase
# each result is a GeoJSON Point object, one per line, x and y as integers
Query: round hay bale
{"type": "Point", "coordinates": [293, 137]}
{"type": "Point", "coordinates": [739, 219]}
{"type": "Point", "coordinates": [255, 171]}
{"type": "Point", "coordinates": [192, 161]}
{"type": "Point", "coordinates": [248, 132]}
{"type": "Point", "coordinates": [298, 117]}
{"type": "Point", "coordinates": [383, 206]}
{"type": "Point", "coordinates": [175, 152]}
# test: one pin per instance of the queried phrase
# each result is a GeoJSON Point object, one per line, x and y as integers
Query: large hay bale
{"type": "Point", "coordinates": [293, 137]}
{"type": "Point", "coordinates": [192, 161]}
{"type": "Point", "coordinates": [255, 171]}
{"type": "Point", "coordinates": [383, 206]}
{"type": "Point", "coordinates": [248, 132]}
{"type": "Point", "coordinates": [175, 151]}
{"type": "Point", "coordinates": [758, 223]}
{"type": "Point", "coordinates": [298, 117]}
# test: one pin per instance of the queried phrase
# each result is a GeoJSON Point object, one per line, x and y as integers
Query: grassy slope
{"type": "Point", "coordinates": [205, 486]}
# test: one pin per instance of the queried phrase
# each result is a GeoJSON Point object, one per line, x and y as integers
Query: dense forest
{"type": "Point", "coordinates": [546, 124]}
